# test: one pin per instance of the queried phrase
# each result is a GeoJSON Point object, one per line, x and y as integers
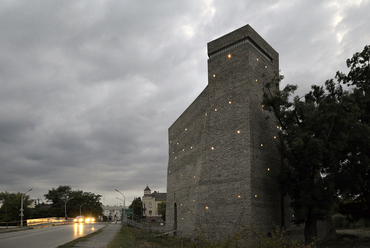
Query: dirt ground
{"type": "Point", "coordinates": [353, 238]}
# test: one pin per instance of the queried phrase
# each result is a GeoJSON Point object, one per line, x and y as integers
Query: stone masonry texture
{"type": "Point", "coordinates": [222, 149]}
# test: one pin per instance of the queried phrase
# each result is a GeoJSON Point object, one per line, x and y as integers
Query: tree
{"type": "Point", "coordinates": [136, 205]}
{"type": "Point", "coordinates": [312, 139]}
{"type": "Point", "coordinates": [162, 209]}
{"type": "Point", "coordinates": [86, 201]}
{"type": "Point", "coordinates": [354, 177]}
{"type": "Point", "coordinates": [10, 209]}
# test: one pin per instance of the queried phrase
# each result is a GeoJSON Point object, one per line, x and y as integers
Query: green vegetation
{"type": "Point", "coordinates": [132, 237]}
{"type": "Point", "coordinates": [246, 238]}
{"type": "Point", "coordinates": [324, 140]}
{"type": "Point", "coordinates": [136, 205]}
{"type": "Point", "coordinates": [75, 199]}
{"type": "Point", "coordinates": [9, 211]}
{"type": "Point", "coordinates": [162, 209]}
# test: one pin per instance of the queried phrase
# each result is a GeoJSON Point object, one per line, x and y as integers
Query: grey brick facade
{"type": "Point", "coordinates": [222, 150]}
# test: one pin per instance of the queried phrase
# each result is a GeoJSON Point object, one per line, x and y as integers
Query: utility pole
{"type": "Point", "coordinates": [22, 205]}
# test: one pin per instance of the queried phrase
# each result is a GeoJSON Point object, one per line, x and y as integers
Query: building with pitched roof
{"type": "Point", "coordinates": [150, 203]}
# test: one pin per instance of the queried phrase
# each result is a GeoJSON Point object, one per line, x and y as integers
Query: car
{"type": "Point", "coordinates": [79, 219]}
{"type": "Point", "coordinates": [90, 220]}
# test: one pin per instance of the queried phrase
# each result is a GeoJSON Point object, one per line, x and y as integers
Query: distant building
{"type": "Point", "coordinates": [112, 211]}
{"type": "Point", "coordinates": [150, 203]}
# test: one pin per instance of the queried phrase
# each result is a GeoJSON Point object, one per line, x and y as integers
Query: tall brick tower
{"type": "Point", "coordinates": [222, 151]}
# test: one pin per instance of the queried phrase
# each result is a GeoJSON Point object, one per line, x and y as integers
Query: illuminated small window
{"type": "Point", "coordinates": [175, 157]}
{"type": "Point", "coordinates": [183, 149]}
{"type": "Point", "coordinates": [265, 66]}
{"type": "Point", "coordinates": [214, 75]}
{"type": "Point", "coordinates": [215, 109]}
{"type": "Point", "coordinates": [229, 102]}
{"type": "Point", "coordinates": [256, 80]}
{"type": "Point", "coordinates": [238, 196]}
{"type": "Point", "coordinates": [268, 169]}
{"type": "Point", "coordinates": [238, 131]}
{"type": "Point", "coordinates": [255, 195]}
{"type": "Point", "coordinates": [194, 176]}
{"type": "Point", "coordinates": [263, 105]}
{"type": "Point", "coordinates": [229, 56]}
{"type": "Point", "coordinates": [261, 144]}
{"type": "Point", "coordinates": [206, 207]}
{"type": "Point", "coordinates": [169, 171]}
{"type": "Point", "coordinates": [257, 59]}
{"type": "Point", "coordinates": [191, 147]}
{"type": "Point", "coordinates": [212, 148]}
{"type": "Point", "coordinates": [182, 218]}
{"type": "Point", "coordinates": [177, 143]}
{"type": "Point", "coordinates": [186, 129]}
{"type": "Point", "coordinates": [277, 127]}
{"type": "Point", "coordinates": [205, 114]}
{"type": "Point", "coordinates": [274, 137]}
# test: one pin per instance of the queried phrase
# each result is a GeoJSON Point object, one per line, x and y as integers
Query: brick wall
{"type": "Point", "coordinates": [222, 153]}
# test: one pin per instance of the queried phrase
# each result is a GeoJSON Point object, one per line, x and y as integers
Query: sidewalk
{"type": "Point", "coordinates": [101, 239]}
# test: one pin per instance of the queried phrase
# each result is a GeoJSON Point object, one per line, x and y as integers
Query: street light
{"type": "Point", "coordinates": [65, 206]}
{"type": "Point", "coordinates": [124, 202]}
{"type": "Point", "coordinates": [81, 206]}
{"type": "Point", "coordinates": [22, 205]}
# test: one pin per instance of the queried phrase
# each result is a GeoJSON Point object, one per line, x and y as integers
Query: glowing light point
{"type": "Point", "coordinates": [206, 207]}
{"type": "Point", "coordinates": [229, 56]}
{"type": "Point", "coordinates": [212, 148]}
{"type": "Point", "coordinates": [238, 131]}
{"type": "Point", "coordinates": [255, 195]}
{"type": "Point", "coordinates": [238, 196]}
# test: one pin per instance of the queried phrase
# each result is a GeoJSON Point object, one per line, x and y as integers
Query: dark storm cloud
{"type": "Point", "coordinates": [88, 89]}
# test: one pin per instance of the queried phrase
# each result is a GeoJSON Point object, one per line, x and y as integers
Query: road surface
{"type": "Point", "coordinates": [47, 237]}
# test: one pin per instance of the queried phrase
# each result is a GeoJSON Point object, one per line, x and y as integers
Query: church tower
{"type": "Point", "coordinates": [222, 150]}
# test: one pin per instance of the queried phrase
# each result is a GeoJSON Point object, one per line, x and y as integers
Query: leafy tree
{"type": "Point", "coordinates": [86, 201]}
{"type": "Point", "coordinates": [136, 204]}
{"type": "Point", "coordinates": [312, 139]}
{"type": "Point", "coordinates": [354, 177]}
{"type": "Point", "coordinates": [10, 209]}
{"type": "Point", "coordinates": [162, 209]}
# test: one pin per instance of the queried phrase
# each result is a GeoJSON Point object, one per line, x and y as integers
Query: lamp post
{"type": "Point", "coordinates": [81, 206]}
{"type": "Point", "coordinates": [22, 205]}
{"type": "Point", "coordinates": [124, 204]}
{"type": "Point", "coordinates": [65, 206]}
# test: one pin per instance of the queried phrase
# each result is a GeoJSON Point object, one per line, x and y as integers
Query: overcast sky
{"type": "Point", "coordinates": [89, 88]}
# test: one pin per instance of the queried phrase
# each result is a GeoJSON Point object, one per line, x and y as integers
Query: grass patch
{"type": "Point", "coordinates": [81, 239]}
{"type": "Point", "coordinates": [129, 237]}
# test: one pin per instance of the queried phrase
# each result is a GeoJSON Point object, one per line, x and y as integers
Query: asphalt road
{"type": "Point", "coordinates": [47, 237]}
